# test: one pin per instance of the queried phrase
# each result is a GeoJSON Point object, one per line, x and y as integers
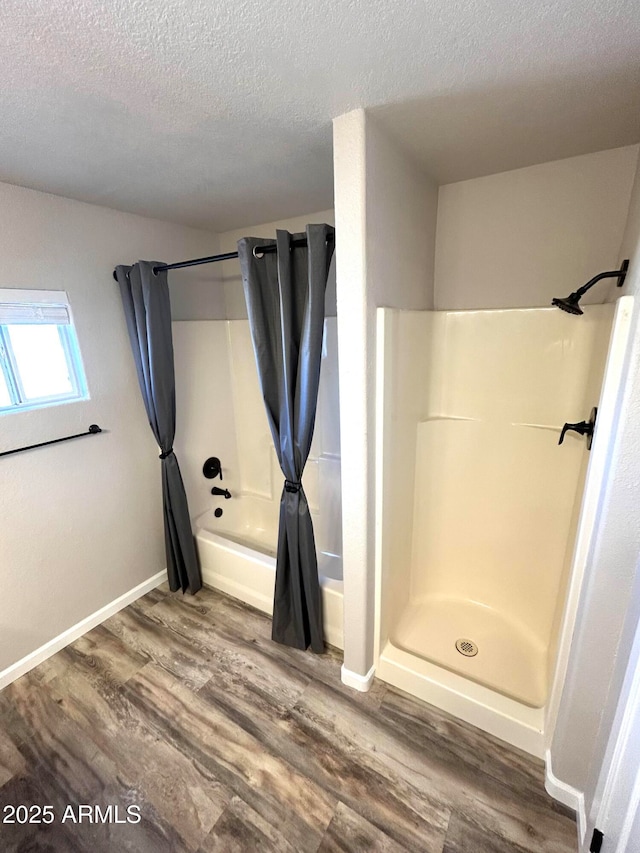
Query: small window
{"type": "Point", "coordinates": [40, 363]}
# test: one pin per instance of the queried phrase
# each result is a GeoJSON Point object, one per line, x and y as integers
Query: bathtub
{"type": "Point", "coordinates": [238, 556]}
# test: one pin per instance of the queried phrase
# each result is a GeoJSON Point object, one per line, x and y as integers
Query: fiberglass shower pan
{"type": "Point", "coordinates": [478, 506]}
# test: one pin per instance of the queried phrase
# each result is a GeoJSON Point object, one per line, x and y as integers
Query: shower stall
{"type": "Point", "coordinates": [478, 506]}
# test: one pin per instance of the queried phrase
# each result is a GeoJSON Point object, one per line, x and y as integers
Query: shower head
{"type": "Point", "coordinates": [571, 303]}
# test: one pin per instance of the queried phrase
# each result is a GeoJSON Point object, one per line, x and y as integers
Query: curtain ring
{"type": "Point", "coordinates": [256, 250]}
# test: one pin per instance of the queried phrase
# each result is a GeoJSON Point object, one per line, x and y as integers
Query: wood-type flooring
{"type": "Point", "coordinates": [180, 710]}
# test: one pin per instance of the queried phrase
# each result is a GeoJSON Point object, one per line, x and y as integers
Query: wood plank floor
{"type": "Point", "coordinates": [183, 707]}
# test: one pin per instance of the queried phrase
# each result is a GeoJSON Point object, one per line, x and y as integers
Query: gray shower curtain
{"type": "Point", "coordinates": [145, 298]}
{"type": "Point", "coordinates": [285, 303]}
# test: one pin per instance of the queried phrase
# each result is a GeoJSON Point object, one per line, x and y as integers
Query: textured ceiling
{"type": "Point", "coordinates": [217, 113]}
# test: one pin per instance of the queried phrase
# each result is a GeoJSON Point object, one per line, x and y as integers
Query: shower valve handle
{"type": "Point", "coordinates": [583, 428]}
{"type": "Point", "coordinates": [212, 468]}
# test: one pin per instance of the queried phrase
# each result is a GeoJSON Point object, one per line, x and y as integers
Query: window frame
{"type": "Point", "coordinates": [70, 347]}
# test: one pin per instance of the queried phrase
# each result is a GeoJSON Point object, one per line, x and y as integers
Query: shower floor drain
{"type": "Point", "coordinates": [467, 648]}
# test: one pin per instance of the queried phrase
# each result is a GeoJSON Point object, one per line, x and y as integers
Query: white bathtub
{"type": "Point", "coordinates": [237, 556]}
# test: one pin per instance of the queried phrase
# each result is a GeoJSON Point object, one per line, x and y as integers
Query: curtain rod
{"type": "Point", "coordinates": [268, 249]}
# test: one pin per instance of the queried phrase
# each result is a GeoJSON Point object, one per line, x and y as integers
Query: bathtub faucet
{"type": "Point", "coordinates": [224, 492]}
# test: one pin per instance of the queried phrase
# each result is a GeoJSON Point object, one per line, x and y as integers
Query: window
{"type": "Point", "coordinates": [40, 363]}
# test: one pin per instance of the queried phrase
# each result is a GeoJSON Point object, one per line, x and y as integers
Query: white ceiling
{"type": "Point", "coordinates": [217, 113]}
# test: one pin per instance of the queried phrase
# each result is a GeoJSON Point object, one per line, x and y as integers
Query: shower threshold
{"type": "Point", "coordinates": [509, 659]}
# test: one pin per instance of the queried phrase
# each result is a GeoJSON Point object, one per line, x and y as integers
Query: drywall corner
{"type": "Point", "coordinates": [385, 209]}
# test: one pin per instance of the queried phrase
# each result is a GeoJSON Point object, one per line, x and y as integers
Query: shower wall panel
{"type": "Point", "coordinates": [494, 492]}
{"type": "Point", "coordinates": [476, 483]}
{"type": "Point", "coordinates": [408, 370]}
{"type": "Point", "coordinates": [256, 456]}
{"type": "Point", "coordinates": [205, 418]}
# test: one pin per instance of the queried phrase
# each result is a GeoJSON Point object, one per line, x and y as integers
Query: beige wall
{"type": "Point", "coordinates": [80, 522]}
{"type": "Point", "coordinates": [519, 238]}
{"type": "Point", "coordinates": [401, 209]}
{"type": "Point", "coordinates": [608, 610]}
{"type": "Point", "coordinates": [385, 232]}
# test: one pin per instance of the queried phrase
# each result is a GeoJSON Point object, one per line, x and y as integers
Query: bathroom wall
{"type": "Point", "coordinates": [610, 603]}
{"type": "Point", "coordinates": [519, 238]}
{"type": "Point", "coordinates": [385, 235]}
{"type": "Point", "coordinates": [80, 522]}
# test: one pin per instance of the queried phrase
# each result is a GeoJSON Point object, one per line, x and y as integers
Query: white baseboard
{"type": "Point", "coordinates": [581, 819]}
{"type": "Point", "coordinates": [357, 682]}
{"type": "Point", "coordinates": [58, 643]}
{"type": "Point", "coordinates": [565, 794]}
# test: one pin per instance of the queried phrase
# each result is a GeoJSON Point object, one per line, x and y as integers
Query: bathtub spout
{"type": "Point", "coordinates": [224, 492]}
